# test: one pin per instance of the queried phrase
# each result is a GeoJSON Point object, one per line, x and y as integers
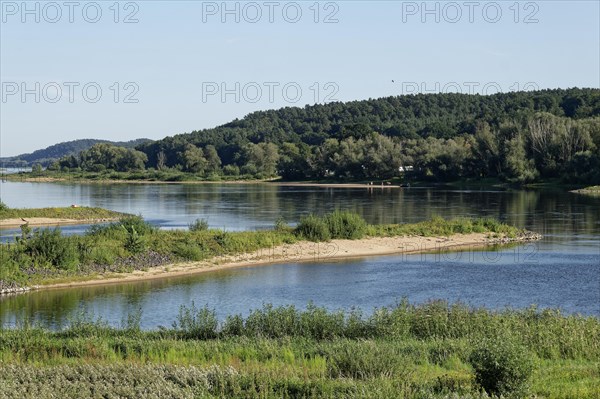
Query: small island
{"type": "Point", "coordinates": [15, 217]}
{"type": "Point", "coordinates": [132, 249]}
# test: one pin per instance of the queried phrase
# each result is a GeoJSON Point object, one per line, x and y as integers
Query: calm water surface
{"type": "Point", "coordinates": [563, 270]}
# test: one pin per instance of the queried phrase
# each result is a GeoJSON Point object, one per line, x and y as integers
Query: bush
{"type": "Point", "coordinates": [346, 225]}
{"type": "Point", "coordinates": [3, 207]}
{"type": "Point", "coordinates": [138, 224]}
{"type": "Point", "coordinates": [313, 228]}
{"type": "Point", "coordinates": [281, 225]}
{"type": "Point", "coordinates": [49, 247]}
{"type": "Point", "coordinates": [134, 242]}
{"type": "Point", "coordinates": [196, 323]}
{"type": "Point", "coordinates": [126, 224]}
{"type": "Point", "coordinates": [198, 225]}
{"type": "Point", "coordinates": [502, 367]}
{"type": "Point", "coordinates": [189, 251]}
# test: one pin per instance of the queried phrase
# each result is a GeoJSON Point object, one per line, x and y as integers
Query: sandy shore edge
{"type": "Point", "coordinates": [305, 252]}
{"type": "Point", "coordinates": [17, 222]}
{"type": "Point", "coordinates": [376, 183]}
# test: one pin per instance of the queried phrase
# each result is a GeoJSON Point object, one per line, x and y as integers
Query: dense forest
{"type": "Point", "coordinates": [518, 137]}
{"type": "Point", "coordinates": [47, 156]}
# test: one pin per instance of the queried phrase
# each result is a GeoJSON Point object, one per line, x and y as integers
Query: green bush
{"type": "Point", "coordinates": [502, 367]}
{"type": "Point", "coordinates": [49, 247]}
{"type": "Point", "coordinates": [126, 224]}
{"type": "Point", "coordinates": [138, 223]}
{"type": "Point", "coordinates": [313, 228]}
{"type": "Point", "coordinates": [3, 207]}
{"type": "Point", "coordinates": [281, 225]}
{"type": "Point", "coordinates": [192, 322]}
{"type": "Point", "coordinates": [198, 225]}
{"type": "Point", "coordinates": [189, 251]}
{"type": "Point", "coordinates": [134, 242]}
{"type": "Point", "coordinates": [346, 225]}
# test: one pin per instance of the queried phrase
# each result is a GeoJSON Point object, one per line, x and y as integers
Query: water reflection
{"type": "Point", "coordinates": [256, 206]}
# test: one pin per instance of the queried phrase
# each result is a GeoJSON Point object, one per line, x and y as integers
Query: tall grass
{"type": "Point", "coordinates": [431, 350]}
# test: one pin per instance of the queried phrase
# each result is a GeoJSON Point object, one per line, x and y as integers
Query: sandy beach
{"type": "Point", "coordinates": [305, 252]}
{"type": "Point", "coordinates": [375, 185]}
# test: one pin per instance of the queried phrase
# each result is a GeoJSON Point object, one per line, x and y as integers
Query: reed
{"type": "Point", "coordinates": [288, 352]}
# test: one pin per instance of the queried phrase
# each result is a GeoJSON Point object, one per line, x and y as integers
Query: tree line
{"type": "Point", "coordinates": [520, 136]}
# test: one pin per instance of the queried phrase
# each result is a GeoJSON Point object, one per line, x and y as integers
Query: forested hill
{"type": "Point", "coordinates": [518, 136]}
{"type": "Point", "coordinates": [53, 153]}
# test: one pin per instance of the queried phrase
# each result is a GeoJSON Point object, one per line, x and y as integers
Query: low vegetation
{"type": "Point", "coordinates": [434, 350]}
{"type": "Point", "coordinates": [43, 255]}
{"type": "Point", "coordinates": [75, 213]}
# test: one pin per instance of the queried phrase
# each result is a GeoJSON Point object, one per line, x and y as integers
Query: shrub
{"type": "Point", "coordinates": [281, 225]}
{"type": "Point", "coordinates": [502, 367]}
{"type": "Point", "coordinates": [346, 225]}
{"type": "Point", "coordinates": [48, 246]}
{"type": "Point", "coordinates": [3, 207]}
{"type": "Point", "coordinates": [126, 224]}
{"type": "Point", "coordinates": [189, 251]}
{"type": "Point", "coordinates": [138, 223]}
{"type": "Point", "coordinates": [134, 242]}
{"type": "Point", "coordinates": [199, 225]}
{"type": "Point", "coordinates": [196, 323]}
{"type": "Point", "coordinates": [313, 228]}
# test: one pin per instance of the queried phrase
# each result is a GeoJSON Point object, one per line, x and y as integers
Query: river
{"type": "Point", "coordinates": [561, 271]}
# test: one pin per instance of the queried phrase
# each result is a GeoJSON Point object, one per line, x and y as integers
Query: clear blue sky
{"type": "Point", "coordinates": [176, 49]}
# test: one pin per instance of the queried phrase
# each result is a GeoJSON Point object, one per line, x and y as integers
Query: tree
{"type": "Point", "coordinates": [518, 166]}
{"type": "Point", "coordinates": [212, 159]}
{"type": "Point", "coordinates": [193, 159]}
{"type": "Point", "coordinates": [37, 169]}
{"type": "Point", "coordinates": [161, 160]}
{"type": "Point", "coordinates": [261, 159]}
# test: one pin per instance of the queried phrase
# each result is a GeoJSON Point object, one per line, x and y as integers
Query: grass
{"type": "Point", "coordinates": [42, 256]}
{"type": "Point", "coordinates": [409, 351]}
{"type": "Point", "coordinates": [78, 213]}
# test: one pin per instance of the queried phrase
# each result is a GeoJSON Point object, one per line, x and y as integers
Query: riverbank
{"type": "Point", "coordinates": [154, 177]}
{"type": "Point", "coordinates": [434, 350]}
{"type": "Point", "coordinates": [305, 251]}
{"type": "Point", "coordinates": [274, 182]}
{"type": "Point", "coordinates": [15, 217]}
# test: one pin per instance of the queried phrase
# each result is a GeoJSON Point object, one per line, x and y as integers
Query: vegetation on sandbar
{"type": "Point", "coordinates": [44, 255]}
{"type": "Point", "coordinates": [434, 350]}
{"type": "Point", "coordinates": [74, 213]}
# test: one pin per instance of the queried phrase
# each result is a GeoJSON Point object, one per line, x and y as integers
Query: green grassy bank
{"type": "Point", "coordinates": [45, 256]}
{"type": "Point", "coordinates": [433, 350]}
{"type": "Point", "coordinates": [75, 213]}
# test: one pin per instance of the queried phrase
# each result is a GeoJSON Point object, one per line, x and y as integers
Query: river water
{"type": "Point", "coordinates": [561, 271]}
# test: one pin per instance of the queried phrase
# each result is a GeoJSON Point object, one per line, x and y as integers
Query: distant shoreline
{"type": "Point", "coordinates": [376, 184]}
{"type": "Point", "coordinates": [303, 252]}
